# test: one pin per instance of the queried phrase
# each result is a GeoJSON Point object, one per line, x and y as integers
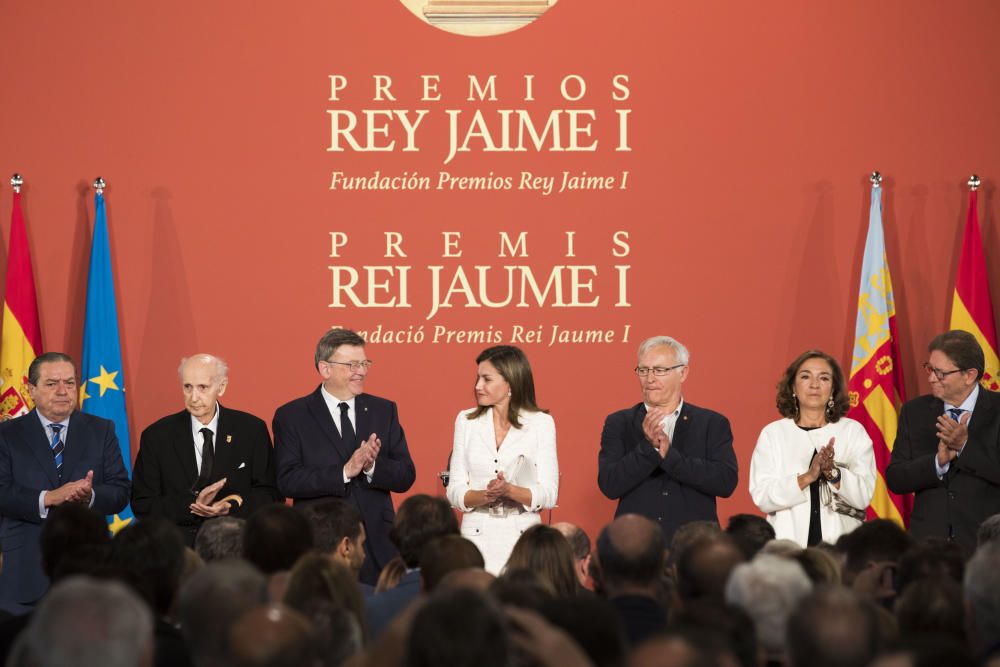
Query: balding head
{"type": "Point", "coordinates": [630, 550]}
{"type": "Point", "coordinates": [704, 567]}
{"type": "Point", "coordinates": [203, 379]}
{"type": "Point", "coordinates": [272, 636]}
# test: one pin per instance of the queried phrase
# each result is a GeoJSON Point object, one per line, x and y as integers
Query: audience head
{"type": "Point", "coordinates": [69, 528]}
{"type": "Point", "coordinates": [593, 624]}
{"type": "Point", "coordinates": [473, 578]}
{"type": "Point", "coordinates": [982, 594]}
{"type": "Point", "coordinates": [221, 537]}
{"type": "Point", "coordinates": [544, 550]}
{"type": "Point", "coordinates": [879, 540]}
{"type": "Point", "coordinates": [275, 537]}
{"type": "Point", "coordinates": [338, 531]}
{"type": "Point", "coordinates": [630, 551]}
{"type": "Point", "coordinates": [703, 568]}
{"type": "Point", "coordinates": [273, 636]}
{"type": "Point", "coordinates": [833, 627]}
{"type": "Point", "coordinates": [459, 628]}
{"type": "Point", "coordinates": [446, 554]}
{"type": "Point", "coordinates": [989, 530]}
{"type": "Point", "coordinates": [931, 606]}
{"type": "Point", "coordinates": [580, 544]}
{"type": "Point", "coordinates": [768, 588]}
{"type": "Point", "coordinates": [819, 565]}
{"type": "Point", "coordinates": [390, 575]}
{"type": "Point", "coordinates": [710, 623]}
{"type": "Point", "coordinates": [209, 603]}
{"type": "Point", "coordinates": [522, 588]}
{"type": "Point", "coordinates": [750, 532]}
{"type": "Point", "coordinates": [419, 520]}
{"type": "Point", "coordinates": [89, 623]}
{"type": "Point", "coordinates": [687, 535]}
{"type": "Point", "coordinates": [936, 558]}
{"type": "Point", "coordinates": [149, 556]}
{"type": "Point", "coordinates": [317, 582]}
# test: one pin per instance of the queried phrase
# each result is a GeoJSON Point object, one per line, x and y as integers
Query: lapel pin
{"type": "Point", "coordinates": [366, 408]}
{"type": "Point", "coordinates": [229, 439]}
{"type": "Point", "coordinates": [685, 418]}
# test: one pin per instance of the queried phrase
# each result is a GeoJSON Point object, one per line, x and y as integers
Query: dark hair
{"type": "Point", "coordinates": [317, 580]}
{"type": "Point", "coordinates": [594, 624]}
{"type": "Point", "coordinates": [579, 542]}
{"type": "Point", "coordinates": [149, 556]}
{"type": "Point", "coordinates": [932, 557]}
{"type": "Point", "coordinates": [546, 551]}
{"type": "Point", "coordinates": [445, 554]}
{"type": "Point", "coordinates": [875, 540]}
{"type": "Point", "coordinates": [788, 405]}
{"type": "Point", "coordinates": [989, 530]}
{"type": "Point", "coordinates": [704, 567]}
{"type": "Point", "coordinates": [483, 641]}
{"type": "Point", "coordinates": [715, 627]}
{"type": "Point", "coordinates": [962, 348]}
{"type": "Point", "coordinates": [931, 607]}
{"type": "Point", "coordinates": [833, 627]}
{"type": "Point", "coordinates": [221, 537]}
{"type": "Point", "coordinates": [419, 520]}
{"type": "Point", "coordinates": [751, 533]}
{"type": "Point", "coordinates": [35, 368]}
{"type": "Point", "coordinates": [512, 365]}
{"type": "Point", "coordinates": [642, 566]}
{"type": "Point", "coordinates": [275, 537]}
{"type": "Point", "coordinates": [70, 527]}
{"type": "Point", "coordinates": [333, 339]}
{"type": "Point", "coordinates": [332, 520]}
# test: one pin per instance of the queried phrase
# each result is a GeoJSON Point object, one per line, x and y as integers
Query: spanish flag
{"type": "Point", "coordinates": [21, 340]}
{"type": "Point", "coordinates": [972, 308]}
{"type": "Point", "coordinates": [875, 386]}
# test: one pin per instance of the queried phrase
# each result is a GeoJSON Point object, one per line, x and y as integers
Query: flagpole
{"type": "Point", "coordinates": [99, 185]}
{"type": "Point", "coordinates": [16, 182]}
{"type": "Point", "coordinates": [973, 183]}
{"type": "Point", "coordinates": [876, 179]}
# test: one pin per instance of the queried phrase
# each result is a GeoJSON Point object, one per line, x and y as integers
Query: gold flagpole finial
{"type": "Point", "coordinates": [99, 185]}
{"type": "Point", "coordinates": [876, 179]}
{"type": "Point", "coordinates": [16, 181]}
{"type": "Point", "coordinates": [973, 182]}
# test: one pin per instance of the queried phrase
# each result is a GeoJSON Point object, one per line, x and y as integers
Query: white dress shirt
{"type": "Point", "coordinates": [199, 437]}
{"type": "Point", "coordinates": [333, 405]}
{"type": "Point", "coordinates": [43, 511]}
{"type": "Point", "coordinates": [669, 422]}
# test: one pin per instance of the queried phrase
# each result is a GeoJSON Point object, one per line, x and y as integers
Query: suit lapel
{"type": "Point", "coordinates": [182, 444]}
{"type": "Point", "coordinates": [638, 416]}
{"type": "Point", "coordinates": [38, 443]}
{"type": "Point", "coordinates": [76, 441]}
{"type": "Point", "coordinates": [362, 420]}
{"type": "Point", "coordinates": [982, 417]}
{"type": "Point", "coordinates": [319, 411]}
{"type": "Point", "coordinates": [225, 442]}
{"type": "Point", "coordinates": [682, 425]}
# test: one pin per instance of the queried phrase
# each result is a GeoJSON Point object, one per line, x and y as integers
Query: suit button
{"type": "Point", "coordinates": [659, 518]}
{"type": "Point", "coordinates": [666, 493]}
{"type": "Point", "coordinates": [951, 494]}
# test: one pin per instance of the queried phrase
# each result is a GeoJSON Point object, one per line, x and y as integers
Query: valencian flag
{"type": "Point", "coordinates": [971, 308]}
{"type": "Point", "coordinates": [102, 385]}
{"type": "Point", "coordinates": [875, 386]}
{"type": "Point", "coordinates": [22, 337]}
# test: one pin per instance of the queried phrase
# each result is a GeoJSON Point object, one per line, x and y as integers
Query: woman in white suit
{"type": "Point", "coordinates": [813, 472]}
{"type": "Point", "coordinates": [504, 469]}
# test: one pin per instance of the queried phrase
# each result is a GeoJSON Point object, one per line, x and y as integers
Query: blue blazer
{"type": "Point", "coordinates": [27, 467]}
{"type": "Point", "coordinates": [679, 488]}
{"type": "Point", "coordinates": [309, 457]}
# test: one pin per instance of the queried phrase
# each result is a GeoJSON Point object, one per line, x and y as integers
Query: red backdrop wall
{"type": "Point", "coordinates": [753, 128]}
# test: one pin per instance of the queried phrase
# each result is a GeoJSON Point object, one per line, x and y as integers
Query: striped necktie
{"type": "Point", "coordinates": [57, 446]}
{"type": "Point", "coordinates": [956, 413]}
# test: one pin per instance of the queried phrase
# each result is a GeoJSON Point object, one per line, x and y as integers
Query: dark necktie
{"type": "Point", "coordinates": [207, 459]}
{"type": "Point", "coordinates": [346, 428]}
{"type": "Point", "coordinates": [956, 413]}
{"type": "Point", "coordinates": [57, 446]}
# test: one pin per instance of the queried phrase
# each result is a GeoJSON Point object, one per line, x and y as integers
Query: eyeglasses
{"type": "Point", "coordinates": [940, 374]}
{"type": "Point", "coordinates": [355, 366]}
{"type": "Point", "coordinates": [658, 371]}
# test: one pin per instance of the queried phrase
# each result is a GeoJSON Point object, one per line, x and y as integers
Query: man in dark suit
{"type": "Point", "coordinates": [51, 456]}
{"type": "Point", "coordinates": [339, 441]}
{"type": "Point", "coordinates": [947, 447]}
{"type": "Point", "coordinates": [663, 458]}
{"type": "Point", "coordinates": [206, 460]}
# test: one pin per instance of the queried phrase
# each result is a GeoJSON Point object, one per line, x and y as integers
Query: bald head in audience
{"type": "Point", "coordinates": [630, 550]}
{"type": "Point", "coordinates": [273, 636]}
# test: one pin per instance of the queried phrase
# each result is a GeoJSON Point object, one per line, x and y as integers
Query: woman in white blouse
{"type": "Point", "coordinates": [504, 469]}
{"type": "Point", "coordinates": [813, 472]}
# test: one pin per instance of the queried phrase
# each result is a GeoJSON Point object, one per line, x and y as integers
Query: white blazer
{"type": "Point", "coordinates": [783, 452]}
{"type": "Point", "coordinates": [527, 456]}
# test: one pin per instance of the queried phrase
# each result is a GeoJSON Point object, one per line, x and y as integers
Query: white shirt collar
{"type": "Point", "coordinates": [46, 422]}
{"type": "Point", "coordinates": [676, 413]}
{"type": "Point", "coordinates": [213, 425]}
{"type": "Point", "coordinates": [969, 403]}
{"type": "Point", "coordinates": [332, 402]}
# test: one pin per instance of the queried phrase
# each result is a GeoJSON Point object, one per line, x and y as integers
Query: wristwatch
{"type": "Point", "coordinates": [834, 477]}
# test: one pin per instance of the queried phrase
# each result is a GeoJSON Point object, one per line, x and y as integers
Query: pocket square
{"type": "Point", "coordinates": [242, 466]}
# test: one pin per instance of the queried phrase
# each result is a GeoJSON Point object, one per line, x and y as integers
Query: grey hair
{"type": "Point", "coordinates": [219, 538]}
{"type": "Point", "coordinates": [680, 352]}
{"type": "Point", "coordinates": [221, 367]}
{"type": "Point", "coordinates": [86, 622]}
{"type": "Point", "coordinates": [989, 530]}
{"type": "Point", "coordinates": [768, 589]}
{"type": "Point", "coordinates": [982, 591]}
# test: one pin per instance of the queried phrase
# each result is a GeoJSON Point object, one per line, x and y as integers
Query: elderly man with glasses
{"type": "Point", "coordinates": [341, 442]}
{"type": "Point", "coordinates": [946, 449]}
{"type": "Point", "coordinates": [664, 458]}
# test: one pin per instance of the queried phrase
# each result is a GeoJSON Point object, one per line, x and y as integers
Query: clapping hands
{"type": "Point", "coordinates": [363, 458]}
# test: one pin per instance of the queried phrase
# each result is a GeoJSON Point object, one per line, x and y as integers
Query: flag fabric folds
{"type": "Point", "coordinates": [971, 307]}
{"type": "Point", "coordinates": [21, 341]}
{"type": "Point", "coordinates": [102, 384]}
{"type": "Point", "coordinates": [875, 386]}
